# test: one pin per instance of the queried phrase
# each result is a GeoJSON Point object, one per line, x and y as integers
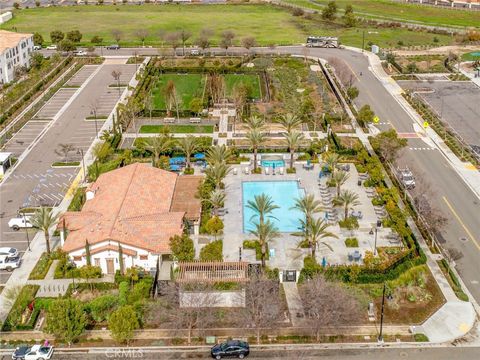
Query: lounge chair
{"type": "Point", "coordinates": [267, 171]}
{"type": "Point", "coordinates": [234, 171]}
{"type": "Point", "coordinates": [247, 170]}
{"type": "Point", "coordinates": [281, 171]}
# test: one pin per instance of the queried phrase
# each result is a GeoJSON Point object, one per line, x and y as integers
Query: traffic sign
{"type": "Point", "coordinates": [376, 119]}
{"type": "Point", "coordinates": [426, 124]}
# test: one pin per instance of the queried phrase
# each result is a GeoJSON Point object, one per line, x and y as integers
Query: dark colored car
{"type": "Point", "coordinates": [20, 352]}
{"type": "Point", "coordinates": [231, 349]}
{"type": "Point", "coordinates": [113, 47]}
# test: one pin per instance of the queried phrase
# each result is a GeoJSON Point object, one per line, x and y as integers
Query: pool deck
{"type": "Point", "coordinates": [287, 254]}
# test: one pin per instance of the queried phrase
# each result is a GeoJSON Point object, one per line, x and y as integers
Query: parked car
{"type": "Point", "coordinates": [37, 47]}
{"type": "Point", "coordinates": [20, 351]}
{"type": "Point", "coordinates": [406, 177]}
{"type": "Point", "coordinates": [39, 352]}
{"type": "Point", "coordinates": [194, 52]}
{"type": "Point", "coordinates": [113, 47]}
{"type": "Point", "coordinates": [9, 263]}
{"type": "Point", "coordinates": [80, 53]}
{"type": "Point", "coordinates": [51, 47]}
{"type": "Point", "coordinates": [231, 348]}
{"type": "Point", "coordinates": [8, 251]}
{"type": "Point", "coordinates": [20, 222]}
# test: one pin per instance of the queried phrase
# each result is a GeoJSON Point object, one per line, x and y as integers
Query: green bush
{"type": "Point", "coordinates": [41, 267]}
{"type": "Point", "coordinates": [123, 290]}
{"type": "Point", "coordinates": [421, 338]}
{"type": "Point", "coordinates": [349, 223]}
{"type": "Point", "coordinates": [254, 244]}
{"type": "Point", "coordinates": [351, 242]}
{"type": "Point", "coordinates": [24, 299]}
{"type": "Point", "coordinates": [100, 307]}
{"type": "Point", "coordinates": [78, 200]}
{"type": "Point", "coordinates": [212, 251]}
{"type": "Point", "coordinates": [182, 247]}
{"type": "Point", "coordinates": [188, 171]}
{"type": "Point", "coordinates": [141, 290]}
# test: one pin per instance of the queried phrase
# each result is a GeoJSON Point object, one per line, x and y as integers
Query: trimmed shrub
{"type": "Point", "coordinates": [212, 251]}
{"type": "Point", "coordinates": [100, 307]}
{"type": "Point", "coordinates": [351, 242]}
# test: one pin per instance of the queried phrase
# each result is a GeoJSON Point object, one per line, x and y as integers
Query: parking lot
{"type": "Point", "coordinates": [24, 137]}
{"type": "Point", "coordinates": [82, 75]}
{"type": "Point", "coordinates": [56, 102]}
{"type": "Point", "coordinates": [456, 102]}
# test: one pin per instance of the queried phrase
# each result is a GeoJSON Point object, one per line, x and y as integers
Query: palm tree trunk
{"type": "Point", "coordinates": [47, 241]}
{"type": "Point", "coordinates": [313, 247]}
{"type": "Point", "coordinates": [264, 253]}
{"type": "Point", "coordinates": [291, 158]}
{"type": "Point", "coordinates": [255, 159]}
{"type": "Point", "coordinates": [346, 212]}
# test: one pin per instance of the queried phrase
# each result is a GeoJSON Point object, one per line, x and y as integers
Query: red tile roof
{"type": "Point", "coordinates": [131, 205]}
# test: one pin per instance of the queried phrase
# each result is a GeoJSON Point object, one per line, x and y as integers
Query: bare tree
{"type": "Point", "coordinates": [262, 304]}
{"type": "Point", "coordinates": [173, 39]}
{"type": "Point", "coordinates": [142, 34]}
{"type": "Point", "coordinates": [117, 35]}
{"type": "Point", "coordinates": [116, 76]}
{"type": "Point", "coordinates": [216, 87]}
{"type": "Point", "coordinates": [249, 42]}
{"type": "Point", "coordinates": [343, 71]}
{"type": "Point", "coordinates": [327, 304]}
{"type": "Point", "coordinates": [192, 309]}
{"type": "Point", "coordinates": [172, 100]}
{"type": "Point", "coordinates": [63, 150]}
{"type": "Point", "coordinates": [184, 36]}
{"type": "Point", "coordinates": [203, 43]}
{"type": "Point", "coordinates": [227, 40]}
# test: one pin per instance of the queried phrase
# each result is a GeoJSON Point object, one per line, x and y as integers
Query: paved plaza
{"type": "Point", "coordinates": [284, 250]}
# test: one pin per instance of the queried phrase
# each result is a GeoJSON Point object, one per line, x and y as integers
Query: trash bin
{"type": "Point", "coordinates": [379, 223]}
{"type": "Point", "coordinates": [359, 182]}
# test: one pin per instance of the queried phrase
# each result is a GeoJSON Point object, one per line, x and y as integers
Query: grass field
{"type": "Point", "coordinates": [472, 56]}
{"type": "Point", "coordinates": [268, 24]}
{"type": "Point", "coordinates": [252, 81]}
{"type": "Point", "coordinates": [188, 86]}
{"type": "Point", "coordinates": [392, 10]}
{"type": "Point", "coordinates": [177, 129]}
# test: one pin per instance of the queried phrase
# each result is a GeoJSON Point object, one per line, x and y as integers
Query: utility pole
{"type": "Point", "coordinates": [375, 246]}
{"type": "Point", "coordinates": [26, 230]}
{"type": "Point", "coordinates": [380, 335]}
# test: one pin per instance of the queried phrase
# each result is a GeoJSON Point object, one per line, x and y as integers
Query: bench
{"type": "Point", "coordinates": [169, 120]}
{"type": "Point", "coordinates": [195, 120]}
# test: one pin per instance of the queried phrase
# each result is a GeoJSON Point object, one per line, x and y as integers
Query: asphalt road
{"type": "Point", "coordinates": [458, 353]}
{"type": "Point", "coordinates": [34, 182]}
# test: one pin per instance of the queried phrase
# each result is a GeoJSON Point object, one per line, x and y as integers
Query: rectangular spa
{"type": "Point", "coordinates": [283, 194]}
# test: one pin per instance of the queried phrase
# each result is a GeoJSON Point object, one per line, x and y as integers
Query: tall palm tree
{"type": "Point", "coordinates": [293, 141]}
{"type": "Point", "coordinates": [218, 154]}
{"type": "Point", "coordinates": [217, 200]}
{"type": "Point", "coordinates": [188, 145]}
{"type": "Point", "coordinates": [347, 199]}
{"type": "Point", "coordinates": [255, 122]}
{"type": "Point", "coordinates": [309, 206]}
{"type": "Point", "coordinates": [340, 178]}
{"type": "Point", "coordinates": [158, 145]}
{"type": "Point", "coordinates": [289, 121]}
{"type": "Point", "coordinates": [332, 160]}
{"type": "Point", "coordinates": [256, 138]}
{"type": "Point", "coordinates": [263, 206]}
{"type": "Point", "coordinates": [216, 173]}
{"type": "Point", "coordinates": [43, 219]}
{"type": "Point", "coordinates": [264, 233]}
{"type": "Point", "coordinates": [318, 231]}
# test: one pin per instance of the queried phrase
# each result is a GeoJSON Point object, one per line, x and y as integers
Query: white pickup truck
{"type": "Point", "coordinates": [19, 222]}
{"type": "Point", "coordinates": [7, 263]}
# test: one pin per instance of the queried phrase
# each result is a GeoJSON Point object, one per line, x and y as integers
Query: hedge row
{"type": "Point", "coordinates": [24, 298]}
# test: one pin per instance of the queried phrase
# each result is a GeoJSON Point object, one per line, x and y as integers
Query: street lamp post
{"type": "Point", "coordinates": [375, 246]}
{"type": "Point", "coordinates": [26, 231]}
{"type": "Point", "coordinates": [94, 113]}
{"type": "Point", "coordinates": [80, 152]}
{"type": "Point", "coordinates": [380, 335]}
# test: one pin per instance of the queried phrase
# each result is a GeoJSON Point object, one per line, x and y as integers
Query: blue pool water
{"type": "Point", "coordinates": [283, 194]}
{"type": "Point", "coordinates": [272, 163]}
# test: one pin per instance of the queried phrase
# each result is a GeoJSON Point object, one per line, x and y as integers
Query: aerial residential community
{"type": "Point", "coordinates": [272, 179]}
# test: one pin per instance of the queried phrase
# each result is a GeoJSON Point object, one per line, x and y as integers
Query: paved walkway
{"type": "Point", "coordinates": [294, 303]}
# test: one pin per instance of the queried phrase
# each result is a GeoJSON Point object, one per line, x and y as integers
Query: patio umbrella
{"type": "Point", "coordinates": [324, 262]}
{"type": "Point", "coordinates": [199, 156]}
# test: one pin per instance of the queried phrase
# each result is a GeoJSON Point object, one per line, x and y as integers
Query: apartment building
{"type": "Point", "coordinates": [15, 51]}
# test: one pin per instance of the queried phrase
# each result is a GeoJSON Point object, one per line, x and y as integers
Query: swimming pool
{"type": "Point", "coordinates": [283, 194]}
{"type": "Point", "coordinates": [273, 163]}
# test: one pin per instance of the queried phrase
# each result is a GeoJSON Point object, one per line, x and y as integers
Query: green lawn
{"type": "Point", "coordinates": [472, 56]}
{"type": "Point", "coordinates": [267, 24]}
{"type": "Point", "coordinates": [393, 10]}
{"type": "Point", "coordinates": [252, 81]}
{"type": "Point", "coordinates": [188, 86]}
{"type": "Point", "coordinates": [177, 129]}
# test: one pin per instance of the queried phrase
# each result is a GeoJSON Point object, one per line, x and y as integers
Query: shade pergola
{"type": "Point", "coordinates": [212, 271]}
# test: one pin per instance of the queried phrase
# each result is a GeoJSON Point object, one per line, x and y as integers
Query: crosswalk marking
{"type": "Point", "coordinates": [421, 148]}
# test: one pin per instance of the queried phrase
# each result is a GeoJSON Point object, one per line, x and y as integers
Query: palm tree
{"type": "Point", "coordinates": [318, 230]}
{"type": "Point", "coordinates": [255, 122]}
{"type": "Point", "coordinates": [43, 219]}
{"type": "Point", "coordinates": [308, 206]}
{"type": "Point", "coordinates": [256, 138]}
{"type": "Point", "coordinates": [347, 199]}
{"type": "Point", "coordinates": [217, 200]}
{"type": "Point", "coordinates": [332, 160]}
{"type": "Point", "coordinates": [263, 206]}
{"type": "Point", "coordinates": [216, 173]}
{"type": "Point", "coordinates": [188, 145]}
{"type": "Point", "coordinates": [264, 233]}
{"type": "Point", "coordinates": [218, 154]}
{"type": "Point", "coordinates": [158, 145]}
{"type": "Point", "coordinates": [289, 121]}
{"type": "Point", "coordinates": [340, 178]}
{"type": "Point", "coordinates": [293, 141]}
